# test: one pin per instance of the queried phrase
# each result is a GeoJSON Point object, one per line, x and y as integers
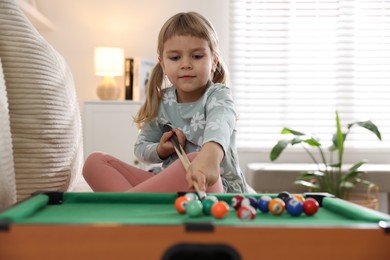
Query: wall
{"type": "Point", "coordinates": [82, 25]}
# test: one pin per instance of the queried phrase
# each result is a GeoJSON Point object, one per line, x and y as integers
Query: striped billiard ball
{"type": "Point", "coordinates": [294, 207]}
{"type": "Point", "coordinates": [263, 203]}
{"type": "Point", "coordinates": [276, 206]}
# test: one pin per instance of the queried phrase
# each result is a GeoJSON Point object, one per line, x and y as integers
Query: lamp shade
{"type": "Point", "coordinates": [109, 61]}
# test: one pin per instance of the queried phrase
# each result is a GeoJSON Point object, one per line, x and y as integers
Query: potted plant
{"type": "Point", "coordinates": [329, 176]}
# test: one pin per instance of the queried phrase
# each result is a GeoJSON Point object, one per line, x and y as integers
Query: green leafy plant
{"type": "Point", "coordinates": [329, 176]}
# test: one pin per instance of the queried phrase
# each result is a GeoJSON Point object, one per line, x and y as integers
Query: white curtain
{"type": "Point", "coordinates": [294, 63]}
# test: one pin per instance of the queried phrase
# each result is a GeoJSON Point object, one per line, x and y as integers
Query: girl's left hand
{"type": "Point", "coordinates": [165, 147]}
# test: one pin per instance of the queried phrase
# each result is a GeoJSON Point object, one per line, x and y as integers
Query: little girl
{"type": "Point", "coordinates": [186, 90]}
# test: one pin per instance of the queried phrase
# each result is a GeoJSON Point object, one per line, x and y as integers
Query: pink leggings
{"type": "Point", "coordinates": [105, 173]}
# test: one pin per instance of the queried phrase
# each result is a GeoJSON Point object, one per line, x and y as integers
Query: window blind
{"type": "Point", "coordinates": [294, 63]}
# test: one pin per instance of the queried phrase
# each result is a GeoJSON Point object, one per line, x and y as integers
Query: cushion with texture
{"type": "Point", "coordinates": [7, 174]}
{"type": "Point", "coordinates": [44, 114]}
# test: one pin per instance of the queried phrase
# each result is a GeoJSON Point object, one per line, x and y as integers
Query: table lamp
{"type": "Point", "coordinates": [109, 62]}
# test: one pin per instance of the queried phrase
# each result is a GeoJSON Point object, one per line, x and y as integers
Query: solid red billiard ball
{"type": "Point", "coordinates": [246, 213]}
{"type": "Point", "coordinates": [294, 207]}
{"type": "Point", "coordinates": [220, 209]}
{"type": "Point", "coordinates": [310, 206]}
{"type": "Point", "coordinates": [276, 206]}
{"type": "Point", "coordinates": [236, 201]}
{"type": "Point", "coordinates": [180, 204]}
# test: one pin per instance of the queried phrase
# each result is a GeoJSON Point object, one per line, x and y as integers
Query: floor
{"type": "Point", "coordinates": [82, 186]}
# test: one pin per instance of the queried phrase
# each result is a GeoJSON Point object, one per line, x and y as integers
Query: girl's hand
{"type": "Point", "coordinates": [205, 167]}
{"type": "Point", "coordinates": [165, 147]}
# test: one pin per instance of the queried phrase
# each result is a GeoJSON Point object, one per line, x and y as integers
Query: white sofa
{"type": "Point", "coordinates": [40, 125]}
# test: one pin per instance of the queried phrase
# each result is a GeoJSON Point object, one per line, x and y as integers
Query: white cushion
{"type": "Point", "coordinates": [7, 174]}
{"type": "Point", "coordinates": [44, 113]}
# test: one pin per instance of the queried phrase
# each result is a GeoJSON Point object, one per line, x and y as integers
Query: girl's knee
{"type": "Point", "coordinates": [92, 160]}
{"type": "Point", "coordinates": [97, 158]}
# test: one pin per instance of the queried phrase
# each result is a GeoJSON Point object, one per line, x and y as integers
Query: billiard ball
{"type": "Point", "coordinates": [263, 203]}
{"type": "Point", "coordinates": [207, 203]}
{"type": "Point", "coordinates": [276, 206]}
{"type": "Point", "coordinates": [246, 213]}
{"type": "Point", "coordinates": [310, 206]}
{"type": "Point", "coordinates": [194, 208]}
{"type": "Point", "coordinates": [191, 196]}
{"type": "Point", "coordinates": [294, 207]}
{"type": "Point", "coordinates": [211, 197]}
{"type": "Point", "coordinates": [299, 197]}
{"type": "Point", "coordinates": [180, 204]}
{"type": "Point", "coordinates": [284, 195]}
{"type": "Point", "coordinates": [220, 209]}
{"type": "Point", "coordinates": [236, 201]}
{"type": "Point", "coordinates": [250, 201]}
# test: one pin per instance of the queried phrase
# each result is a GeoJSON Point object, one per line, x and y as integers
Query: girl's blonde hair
{"type": "Point", "coordinates": [181, 24]}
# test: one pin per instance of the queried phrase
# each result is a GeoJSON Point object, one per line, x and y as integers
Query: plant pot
{"type": "Point", "coordinates": [370, 199]}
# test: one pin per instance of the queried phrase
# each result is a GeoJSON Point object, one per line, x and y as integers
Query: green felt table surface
{"type": "Point", "coordinates": [158, 209]}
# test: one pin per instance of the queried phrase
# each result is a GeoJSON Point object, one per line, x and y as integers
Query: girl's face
{"type": "Point", "coordinates": [188, 63]}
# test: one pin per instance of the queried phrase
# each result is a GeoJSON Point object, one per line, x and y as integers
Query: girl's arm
{"type": "Point", "coordinates": [153, 145]}
{"type": "Point", "coordinates": [145, 148]}
{"type": "Point", "coordinates": [220, 124]}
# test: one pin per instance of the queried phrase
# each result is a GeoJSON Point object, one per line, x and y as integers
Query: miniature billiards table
{"type": "Point", "coordinates": [146, 226]}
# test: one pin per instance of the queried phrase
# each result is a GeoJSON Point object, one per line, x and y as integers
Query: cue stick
{"type": "Point", "coordinates": [183, 158]}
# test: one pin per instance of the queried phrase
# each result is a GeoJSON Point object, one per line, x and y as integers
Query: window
{"type": "Point", "coordinates": [294, 63]}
